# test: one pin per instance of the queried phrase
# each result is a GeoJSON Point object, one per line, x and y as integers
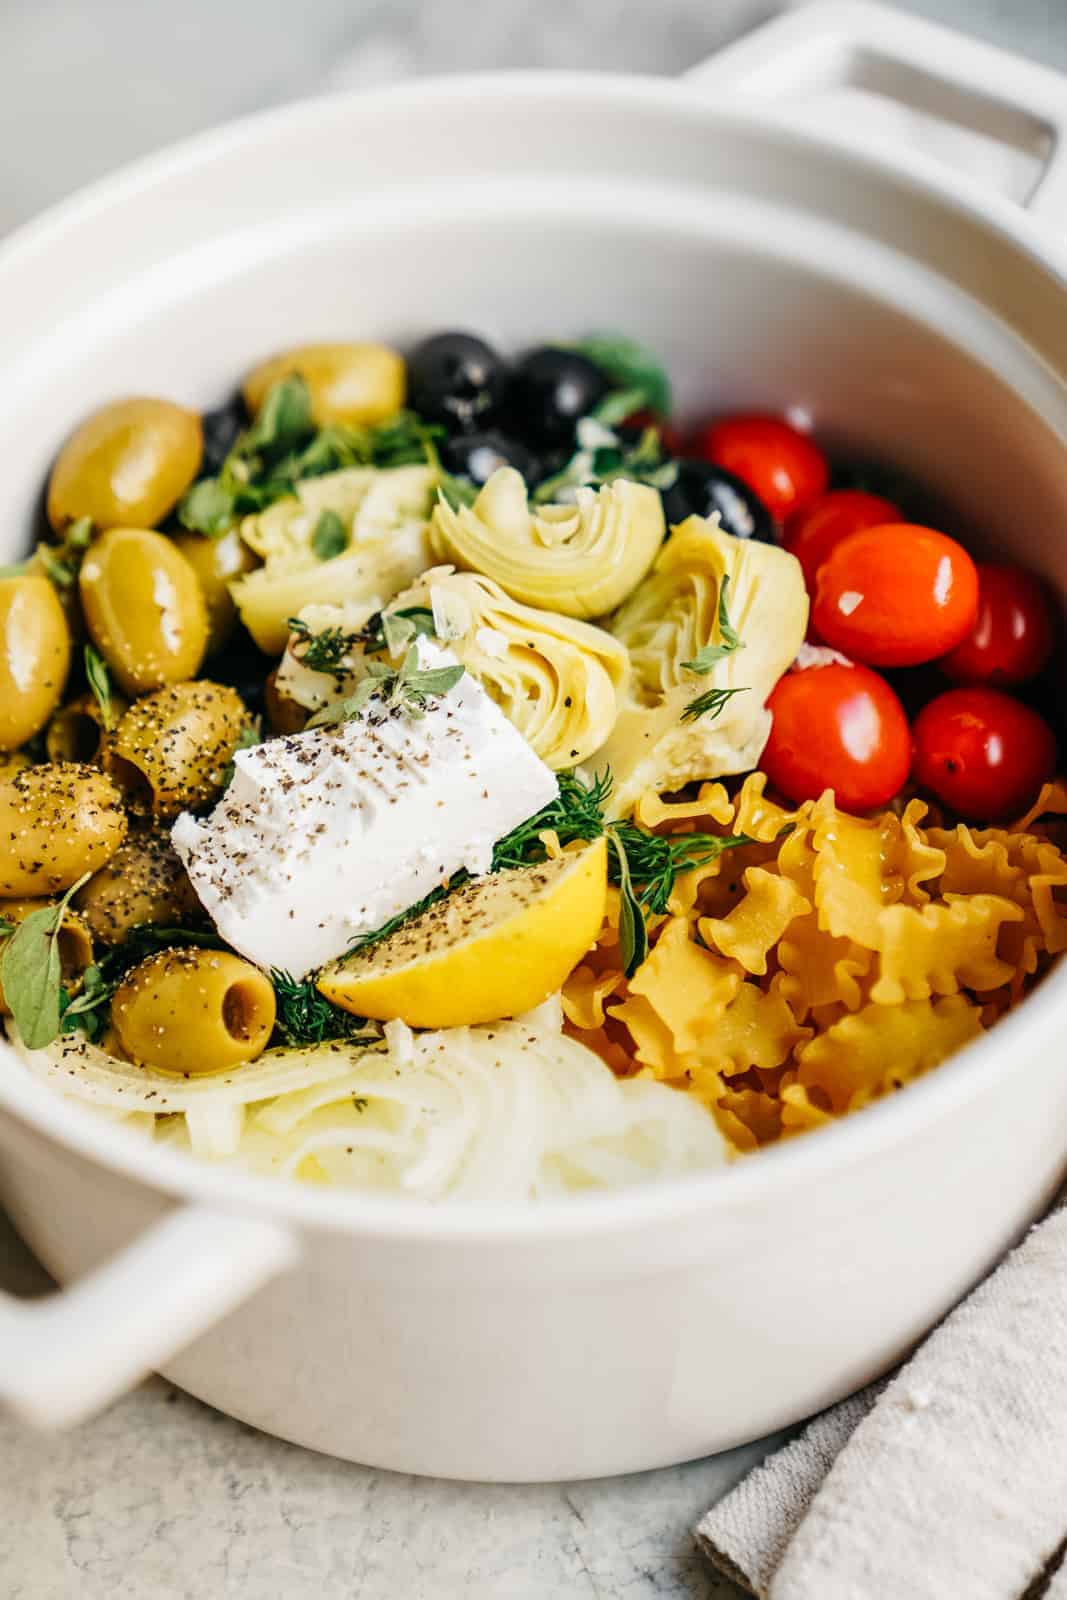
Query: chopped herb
{"type": "Point", "coordinates": [330, 537]}
{"type": "Point", "coordinates": [710, 654]}
{"type": "Point", "coordinates": [628, 365]}
{"type": "Point", "coordinates": [31, 973]}
{"type": "Point", "coordinates": [324, 651]}
{"type": "Point", "coordinates": [99, 681]}
{"type": "Point", "coordinates": [711, 704]}
{"type": "Point", "coordinates": [250, 735]}
{"type": "Point", "coordinates": [282, 448]}
{"type": "Point", "coordinates": [408, 690]}
{"type": "Point", "coordinates": [576, 813]}
{"type": "Point", "coordinates": [602, 457]}
{"type": "Point", "coordinates": [305, 1017]}
{"type": "Point", "coordinates": [633, 929]}
{"type": "Point", "coordinates": [656, 860]}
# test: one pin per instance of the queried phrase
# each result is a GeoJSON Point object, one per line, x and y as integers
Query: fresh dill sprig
{"type": "Point", "coordinates": [710, 704]}
{"type": "Point", "coordinates": [576, 813]}
{"type": "Point", "coordinates": [303, 1016]}
{"type": "Point", "coordinates": [656, 860]}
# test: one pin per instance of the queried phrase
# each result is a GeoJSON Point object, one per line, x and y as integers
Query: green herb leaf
{"type": "Point", "coordinates": [407, 690]}
{"type": "Point", "coordinates": [321, 652]}
{"type": "Point", "coordinates": [710, 704]}
{"type": "Point", "coordinates": [629, 365]}
{"type": "Point", "coordinates": [434, 680]}
{"type": "Point", "coordinates": [330, 537]}
{"type": "Point", "coordinates": [209, 507]}
{"type": "Point", "coordinates": [88, 1012]}
{"type": "Point", "coordinates": [618, 405]}
{"type": "Point", "coordinates": [56, 569]}
{"type": "Point", "coordinates": [710, 654]}
{"type": "Point", "coordinates": [31, 974]}
{"type": "Point", "coordinates": [633, 930]}
{"type": "Point", "coordinates": [284, 420]}
{"type": "Point", "coordinates": [250, 735]}
{"type": "Point", "coordinates": [79, 535]}
{"type": "Point", "coordinates": [100, 683]}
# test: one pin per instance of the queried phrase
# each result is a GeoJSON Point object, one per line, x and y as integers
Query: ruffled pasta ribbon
{"type": "Point", "coordinates": [828, 963]}
{"type": "Point", "coordinates": [581, 560]}
{"type": "Point", "coordinates": [557, 679]}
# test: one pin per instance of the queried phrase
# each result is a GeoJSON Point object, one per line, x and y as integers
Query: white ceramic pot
{"type": "Point", "coordinates": [914, 316]}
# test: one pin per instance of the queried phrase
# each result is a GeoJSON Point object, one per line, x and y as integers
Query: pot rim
{"type": "Point", "coordinates": [879, 1128]}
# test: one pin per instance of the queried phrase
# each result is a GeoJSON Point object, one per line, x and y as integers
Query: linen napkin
{"type": "Point", "coordinates": [946, 1482]}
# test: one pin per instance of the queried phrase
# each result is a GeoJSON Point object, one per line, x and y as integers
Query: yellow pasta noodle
{"type": "Point", "coordinates": [827, 963]}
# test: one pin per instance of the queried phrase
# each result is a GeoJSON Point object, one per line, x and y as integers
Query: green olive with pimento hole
{"type": "Point", "coordinates": [143, 883]}
{"type": "Point", "coordinates": [57, 822]}
{"type": "Point", "coordinates": [144, 609]}
{"type": "Point", "coordinates": [172, 749]}
{"type": "Point", "coordinates": [73, 941]}
{"type": "Point", "coordinates": [191, 1011]}
{"type": "Point", "coordinates": [353, 383]}
{"type": "Point", "coordinates": [216, 563]}
{"type": "Point", "coordinates": [77, 731]}
{"type": "Point", "coordinates": [34, 656]}
{"type": "Point", "coordinates": [127, 465]}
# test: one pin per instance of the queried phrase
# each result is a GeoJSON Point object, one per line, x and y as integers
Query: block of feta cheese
{"type": "Point", "coordinates": [327, 834]}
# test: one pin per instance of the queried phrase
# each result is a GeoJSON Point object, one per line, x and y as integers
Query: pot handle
{"type": "Point", "coordinates": [66, 1356]}
{"type": "Point", "coordinates": [832, 45]}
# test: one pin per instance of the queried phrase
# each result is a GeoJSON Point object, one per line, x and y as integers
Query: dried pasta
{"type": "Point", "coordinates": [828, 962]}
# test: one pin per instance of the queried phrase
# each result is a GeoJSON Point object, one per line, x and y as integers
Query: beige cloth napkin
{"type": "Point", "coordinates": [948, 1482]}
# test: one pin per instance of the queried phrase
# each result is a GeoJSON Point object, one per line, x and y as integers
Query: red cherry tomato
{"type": "Point", "coordinates": [895, 596]}
{"type": "Point", "coordinates": [815, 530]}
{"type": "Point", "coordinates": [781, 464]}
{"type": "Point", "coordinates": [840, 728]}
{"type": "Point", "coordinates": [982, 753]}
{"type": "Point", "coordinates": [1012, 635]}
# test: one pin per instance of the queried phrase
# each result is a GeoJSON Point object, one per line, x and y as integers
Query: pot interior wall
{"type": "Point", "coordinates": [750, 302]}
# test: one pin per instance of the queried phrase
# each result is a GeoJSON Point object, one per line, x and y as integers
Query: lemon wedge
{"type": "Point", "coordinates": [493, 949]}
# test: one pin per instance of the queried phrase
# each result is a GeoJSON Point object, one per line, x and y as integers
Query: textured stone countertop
{"type": "Point", "coordinates": [162, 1499]}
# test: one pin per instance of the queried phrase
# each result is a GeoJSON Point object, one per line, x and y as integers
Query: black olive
{"type": "Point", "coordinates": [455, 378]}
{"type": "Point", "coordinates": [702, 489]}
{"type": "Point", "coordinates": [478, 455]}
{"type": "Point", "coordinates": [221, 428]}
{"type": "Point", "coordinates": [551, 390]}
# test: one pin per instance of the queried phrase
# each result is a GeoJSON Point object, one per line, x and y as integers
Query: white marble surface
{"type": "Point", "coordinates": [161, 1497]}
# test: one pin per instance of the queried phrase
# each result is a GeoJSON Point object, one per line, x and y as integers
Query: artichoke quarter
{"type": "Point", "coordinates": [659, 740]}
{"type": "Point", "coordinates": [581, 560]}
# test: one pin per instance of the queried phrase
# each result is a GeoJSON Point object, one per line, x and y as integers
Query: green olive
{"type": "Point", "coordinates": [56, 822]}
{"type": "Point", "coordinates": [77, 731]}
{"type": "Point", "coordinates": [193, 1011]}
{"type": "Point", "coordinates": [216, 562]}
{"type": "Point", "coordinates": [144, 609]}
{"type": "Point", "coordinates": [74, 943]}
{"type": "Point", "coordinates": [34, 657]}
{"type": "Point", "coordinates": [127, 465]}
{"type": "Point", "coordinates": [283, 714]}
{"type": "Point", "coordinates": [144, 882]}
{"type": "Point", "coordinates": [12, 761]}
{"type": "Point", "coordinates": [171, 749]}
{"type": "Point", "coordinates": [354, 383]}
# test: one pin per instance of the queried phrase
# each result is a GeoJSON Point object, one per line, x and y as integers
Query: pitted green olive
{"type": "Point", "coordinates": [354, 383]}
{"type": "Point", "coordinates": [74, 942]}
{"type": "Point", "coordinates": [77, 732]}
{"type": "Point", "coordinates": [171, 749]}
{"type": "Point", "coordinates": [144, 609]}
{"type": "Point", "coordinates": [126, 466]}
{"type": "Point", "coordinates": [144, 882]}
{"type": "Point", "coordinates": [216, 562]}
{"type": "Point", "coordinates": [194, 1011]}
{"type": "Point", "coordinates": [34, 657]}
{"type": "Point", "coordinates": [56, 822]}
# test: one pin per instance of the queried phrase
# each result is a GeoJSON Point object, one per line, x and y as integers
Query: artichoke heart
{"type": "Point", "coordinates": [383, 517]}
{"type": "Point", "coordinates": [557, 679]}
{"type": "Point", "coordinates": [666, 622]}
{"type": "Point", "coordinates": [581, 560]}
